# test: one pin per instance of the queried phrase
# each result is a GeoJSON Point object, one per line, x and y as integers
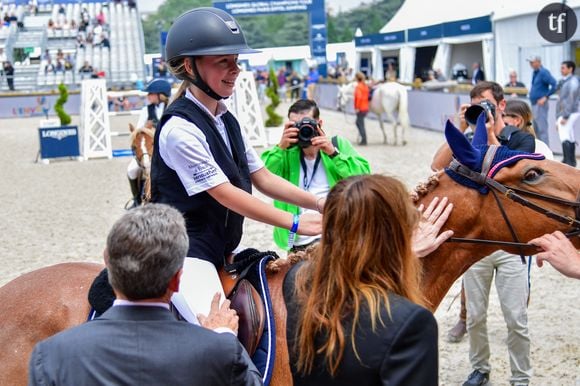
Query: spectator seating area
{"type": "Point", "coordinates": [55, 40]}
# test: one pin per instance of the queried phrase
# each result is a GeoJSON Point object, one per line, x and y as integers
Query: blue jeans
{"type": "Point", "coordinates": [541, 122]}
{"type": "Point", "coordinates": [360, 125]}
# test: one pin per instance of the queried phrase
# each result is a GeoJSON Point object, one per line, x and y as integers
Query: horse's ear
{"type": "Point", "coordinates": [460, 146]}
{"type": "Point", "coordinates": [131, 127]}
{"type": "Point", "coordinates": [480, 136]}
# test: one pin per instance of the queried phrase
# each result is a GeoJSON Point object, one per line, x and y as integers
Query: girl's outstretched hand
{"type": "Point", "coordinates": [310, 224]}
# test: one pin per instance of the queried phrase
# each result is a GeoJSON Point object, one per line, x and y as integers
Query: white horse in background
{"type": "Point", "coordinates": [389, 98]}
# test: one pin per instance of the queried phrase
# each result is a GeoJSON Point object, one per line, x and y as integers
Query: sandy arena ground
{"type": "Point", "coordinates": [63, 211]}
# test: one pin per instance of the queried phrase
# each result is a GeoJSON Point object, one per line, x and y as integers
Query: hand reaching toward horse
{"type": "Point", "coordinates": [220, 316]}
{"type": "Point", "coordinates": [426, 237]}
{"type": "Point", "coordinates": [310, 224]}
{"type": "Point", "coordinates": [559, 252]}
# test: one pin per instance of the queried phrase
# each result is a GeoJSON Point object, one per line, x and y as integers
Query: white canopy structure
{"type": "Point", "coordinates": [517, 37]}
{"type": "Point", "coordinates": [292, 53]}
{"type": "Point", "coordinates": [497, 33]}
{"type": "Point", "coordinates": [427, 29]}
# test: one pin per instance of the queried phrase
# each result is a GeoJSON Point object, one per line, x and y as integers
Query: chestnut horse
{"type": "Point", "coordinates": [142, 145]}
{"type": "Point", "coordinates": [44, 302]}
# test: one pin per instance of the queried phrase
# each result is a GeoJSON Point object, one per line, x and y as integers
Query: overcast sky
{"type": "Point", "coordinates": [336, 5]}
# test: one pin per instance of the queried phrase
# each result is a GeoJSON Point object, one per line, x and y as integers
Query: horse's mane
{"type": "Point", "coordinates": [425, 187]}
{"type": "Point", "coordinates": [278, 265]}
{"type": "Point", "coordinates": [150, 131]}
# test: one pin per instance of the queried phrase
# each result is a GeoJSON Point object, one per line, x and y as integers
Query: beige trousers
{"type": "Point", "coordinates": [511, 282]}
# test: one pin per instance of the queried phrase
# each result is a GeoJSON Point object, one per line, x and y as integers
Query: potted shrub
{"type": "Point", "coordinates": [274, 121]}
{"type": "Point", "coordinates": [59, 105]}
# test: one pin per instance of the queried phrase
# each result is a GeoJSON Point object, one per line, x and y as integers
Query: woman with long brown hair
{"type": "Point", "coordinates": [354, 309]}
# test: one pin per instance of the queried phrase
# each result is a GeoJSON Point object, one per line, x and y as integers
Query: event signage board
{"type": "Point", "coordinates": [380, 38]}
{"type": "Point", "coordinates": [476, 25]}
{"type": "Point", "coordinates": [252, 8]}
{"type": "Point", "coordinates": [318, 35]}
{"type": "Point", "coordinates": [316, 17]}
{"type": "Point", "coordinates": [61, 141]}
{"type": "Point", "coordinates": [425, 33]}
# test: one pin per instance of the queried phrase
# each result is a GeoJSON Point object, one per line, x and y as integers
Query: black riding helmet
{"type": "Point", "coordinates": [205, 31]}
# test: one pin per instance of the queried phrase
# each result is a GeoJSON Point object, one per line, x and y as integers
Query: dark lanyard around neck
{"type": "Point", "coordinates": [305, 170]}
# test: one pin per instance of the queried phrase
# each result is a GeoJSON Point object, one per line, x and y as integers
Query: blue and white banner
{"type": "Point", "coordinates": [250, 8]}
{"type": "Point", "coordinates": [380, 38]}
{"type": "Point", "coordinates": [318, 35]}
{"type": "Point", "coordinates": [316, 18]}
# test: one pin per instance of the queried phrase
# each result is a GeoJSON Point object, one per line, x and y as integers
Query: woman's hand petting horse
{"type": "Point", "coordinates": [426, 237]}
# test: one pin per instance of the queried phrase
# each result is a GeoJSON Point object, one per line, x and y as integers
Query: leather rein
{"type": "Point", "coordinates": [516, 195]}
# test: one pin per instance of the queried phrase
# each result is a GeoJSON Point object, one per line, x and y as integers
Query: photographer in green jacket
{"type": "Point", "coordinates": [309, 159]}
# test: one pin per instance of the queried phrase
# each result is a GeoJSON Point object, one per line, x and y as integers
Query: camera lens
{"type": "Point", "coordinates": [473, 112]}
{"type": "Point", "coordinates": [306, 132]}
{"type": "Point", "coordinates": [307, 129]}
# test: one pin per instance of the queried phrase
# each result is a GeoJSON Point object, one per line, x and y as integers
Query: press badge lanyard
{"type": "Point", "coordinates": [305, 181]}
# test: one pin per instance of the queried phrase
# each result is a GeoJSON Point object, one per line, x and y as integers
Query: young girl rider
{"type": "Point", "coordinates": [202, 162]}
{"type": "Point", "coordinates": [158, 94]}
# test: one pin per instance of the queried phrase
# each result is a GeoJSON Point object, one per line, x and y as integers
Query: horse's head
{"type": "Point", "coordinates": [142, 145]}
{"type": "Point", "coordinates": [499, 195]}
{"type": "Point", "coordinates": [345, 92]}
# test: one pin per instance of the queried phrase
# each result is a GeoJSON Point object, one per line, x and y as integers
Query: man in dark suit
{"type": "Point", "coordinates": [138, 341]}
{"type": "Point", "coordinates": [478, 74]}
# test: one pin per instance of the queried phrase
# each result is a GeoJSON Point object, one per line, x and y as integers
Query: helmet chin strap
{"type": "Point", "coordinates": [199, 82]}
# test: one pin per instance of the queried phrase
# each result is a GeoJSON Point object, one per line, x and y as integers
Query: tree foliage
{"type": "Point", "coordinates": [290, 29]}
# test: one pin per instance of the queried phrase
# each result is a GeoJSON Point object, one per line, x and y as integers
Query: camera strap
{"type": "Point", "coordinates": [305, 170]}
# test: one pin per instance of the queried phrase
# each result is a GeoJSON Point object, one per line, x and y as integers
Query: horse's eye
{"type": "Point", "coordinates": [533, 175]}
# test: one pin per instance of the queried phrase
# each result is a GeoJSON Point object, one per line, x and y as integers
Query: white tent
{"type": "Point", "coordinates": [464, 47]}
{"type": "Point", "coordinates": [416, 14]}
{"type": "Point", "coordinates": [517, 37]}
{"type": "Point", "coordinates": [292, 53]}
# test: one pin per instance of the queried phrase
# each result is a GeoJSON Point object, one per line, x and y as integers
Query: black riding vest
{"type": "Point", "coordinates": [151, 114]}
{"type": "Point", "coordinates": [213, 230]}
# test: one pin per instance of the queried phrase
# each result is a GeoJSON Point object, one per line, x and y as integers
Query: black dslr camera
{"type": "Point", "coordinates": [307, 129]}
{"type": "Point", "coordinates": [473, 111]}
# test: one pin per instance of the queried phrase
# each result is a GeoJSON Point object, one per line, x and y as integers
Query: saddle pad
{"type": "Point", "coordinates": [101, 295]}
{"type": "Point", "coordinates": [503, 157]}
{"type": "Point", "coordinates": [263, 358]}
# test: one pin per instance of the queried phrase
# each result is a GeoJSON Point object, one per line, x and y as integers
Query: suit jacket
{"type": "Point", "coordinates": [402, 352]}
{"type": "Point", "coordinates": [478, 75]}
{"type": "Point", "coordinates": [137, 345]}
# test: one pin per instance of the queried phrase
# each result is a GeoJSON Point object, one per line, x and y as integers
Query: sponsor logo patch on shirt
{"type": "Point", "coordinates": [203, 172]}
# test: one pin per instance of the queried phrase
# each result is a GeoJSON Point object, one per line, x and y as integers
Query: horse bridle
{"type": "Point", "coordinates": [516, 195]}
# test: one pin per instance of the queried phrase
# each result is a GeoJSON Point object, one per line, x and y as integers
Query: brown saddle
{"type": "Point", "coordinates": [246, 301]}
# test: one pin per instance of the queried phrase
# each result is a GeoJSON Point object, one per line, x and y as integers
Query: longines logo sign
{"type": "Point", "coordinates": [557, 23]}
{"type": "Point", "coordinates": [58, 134]}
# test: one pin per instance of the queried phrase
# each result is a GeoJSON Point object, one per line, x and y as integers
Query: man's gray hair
{"type": "Point", "coordinates": [146, 247]}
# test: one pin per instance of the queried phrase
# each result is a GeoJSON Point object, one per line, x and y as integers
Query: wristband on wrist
{"type": "Point", "coordinates": [295, 222]}
{"type": "Point", "coordinates": [293, 230]}
{"type": "Point", "coordinates": [318, 208]}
